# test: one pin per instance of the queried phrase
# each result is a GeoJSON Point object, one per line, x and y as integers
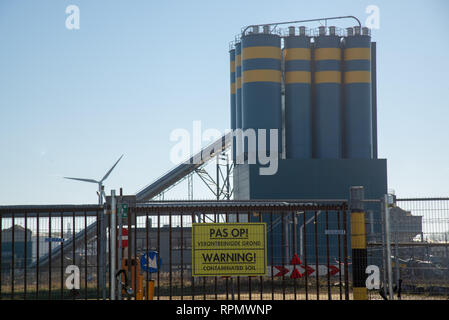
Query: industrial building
{"type": "Point", "coordinates": [317, 88]}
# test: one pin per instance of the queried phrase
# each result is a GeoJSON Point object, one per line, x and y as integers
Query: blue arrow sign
{"type": "Point", "coordinates": [150, 261]}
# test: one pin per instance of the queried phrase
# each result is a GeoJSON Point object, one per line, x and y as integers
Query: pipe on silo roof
{"type": "Point", "coordinates": [266, 29]}
{"type": "Point", "coordinates": [322, 30]}
{"type": "Point", "coordinates": [291, 31]}
{"type": "Point", "coordinates": [350, 31]}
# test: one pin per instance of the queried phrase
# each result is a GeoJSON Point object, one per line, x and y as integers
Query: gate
{"type": "Point", "coordinates": [307, 250]}
{"type": "Point", "coordinates": [315, 232]}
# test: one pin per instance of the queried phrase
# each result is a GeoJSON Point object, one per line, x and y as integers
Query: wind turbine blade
{"type": "Point", "coordinates": [110, 170]}
{"type": "Point", "coordinates": [84, 180]}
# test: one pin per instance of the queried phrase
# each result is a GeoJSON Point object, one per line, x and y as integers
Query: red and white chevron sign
{"type": "Point", "coordinates": [289, 270]}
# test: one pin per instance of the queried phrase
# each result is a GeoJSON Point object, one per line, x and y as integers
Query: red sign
{"type": "Point", "coordinates": [124, 238]}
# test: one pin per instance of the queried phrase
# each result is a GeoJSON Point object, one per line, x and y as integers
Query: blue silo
{"type": "Point", "coordinates": [358, 140]}
{"type": "Point", "coordinates": [261, 84]}
{"type": "Point", "coordinates": [298, 96]}
{"type": "Point", "coordinates": [327, 124]}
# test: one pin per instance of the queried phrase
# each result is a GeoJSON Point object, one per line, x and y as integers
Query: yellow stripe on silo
{"type": "Point", "coordinates": [358, 230]}
{"type": "Point", "coordinates": [328, 77]}
{"type": "Point", "coordinates": [328, 54]}
{"type": "Point", "coordinates": [233, 88]}
{"type": "Point", "coordinates": [263, 75]}
{"type": "Point", "coordinates": [357, 54]}
{"type": "Point", "coordinates": [238, 60]}
{"type": "Point", "coordinates": [297, 54]}
{"type": "Point", "coordinates": [357, 77]}
{"type": "Point", "coordinates": [298, 77]}
{"type": "Point", "coordinates": [238, 81]}
{"type": "Point", "coordinates": [267, 52]}
{"type": "Point", "coordinates": [232, 66]}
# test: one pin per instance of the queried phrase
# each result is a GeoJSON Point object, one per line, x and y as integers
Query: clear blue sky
{"type": "Point", "coordinates": [72, 101]}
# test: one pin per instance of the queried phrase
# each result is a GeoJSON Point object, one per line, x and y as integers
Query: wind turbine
{"type": "Point", "coordinates": [100, 183]}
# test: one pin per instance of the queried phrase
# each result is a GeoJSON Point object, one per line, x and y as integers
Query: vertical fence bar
{"type": "Point", "coordinates": [158, 250]}
{"type": "Point", "coordinates": [329, 296]}
{"type": "Point", "coordinates": [227, 278]}
{"type": "Point", "coordinates": [304, 243]}
{"type": "Point", "coordinates": [85, 255]}
{"type": "Point", "coordinates": [283, 245]}
{"type": "Point", "coordinates": [12, 256]}
{"type": "Point", "coordinates": [388, 241]}
{"type": "Point", "coordinates": [37, 255]}
{"type": "Point", "coordinates": [147, 227]}
{"type": "Point", "coordinates": [238, 277]}
{"type": "Point", "coordinates": [113, 246]}
{"type": "Point", "coordinates": [339, 257]}
{"type": "Point", "coordinates": [170, 248]}
{"type": "Point", "coordinates": [271, 255]}
{"type": "Point", "coordinates": [109, 254]}
{"type": "Point", "coordinates": [384, 253]}
{"type": "Point", "coordinates": [249, 277]}
{"type": "Point", "coordinates": [345, 253]}
{"type": "Point", "coordinates": [132, 247]}
{"type": "Point", "coordinates": [182, 255]}
{"type": "Point", "coordinates": [294, 248]}
{"type": "Point", "coordinates": [26, 258]}
{"type": "Point", "coordinates": [261, 278]}
{"type": "Point", "coordinates": [73, 244]}
{"type": "Point", "coordinates": [1, 254]}
{"type": "Point", "coordinates": [204, 278]}
{"type": "Point", "coordinates": [98, 252]}
{"type": "Point", "coordinates": [317, 274]}
{"type": "Point", "coordinates": [62, 257]}
{"type": "Point", "coordinates": [215, 280]}
{"type": "Point", "coordinates": [192, 278]}
{"type": "Point", "coordinates": [49, 256]}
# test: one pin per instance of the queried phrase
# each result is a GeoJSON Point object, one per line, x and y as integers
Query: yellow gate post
{"type": "Point", "coordinates": [358, 244]}
{"type": "Point", "coordinates": [149, 290]}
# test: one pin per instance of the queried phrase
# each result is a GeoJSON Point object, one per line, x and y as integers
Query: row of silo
{"type": "Point", "coordinates": [327, 86]}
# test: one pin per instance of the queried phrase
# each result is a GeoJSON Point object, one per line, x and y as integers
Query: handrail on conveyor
{"type": "Point", "coordinates": [183, 169]}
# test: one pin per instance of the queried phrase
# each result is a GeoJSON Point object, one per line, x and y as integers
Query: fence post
{"type": "Point", "coordinates": [101, 250]}
{"type": "Point", "coordinates": [388, 242]}
{"type": "Point", "coordinates": [358, 244]}
{"type": "Point", "coordinates": [113, 244]}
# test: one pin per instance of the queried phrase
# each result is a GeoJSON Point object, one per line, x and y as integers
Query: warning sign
{"type": "Point", "coordinates": [229, 249]}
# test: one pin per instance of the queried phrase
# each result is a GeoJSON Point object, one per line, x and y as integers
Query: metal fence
{"type": "Point", "coordinates": [39, 243]}
{"type": "Point", "coordinates": [322, 273]}
{"type": "Point", "coordinates": [420, 247]}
